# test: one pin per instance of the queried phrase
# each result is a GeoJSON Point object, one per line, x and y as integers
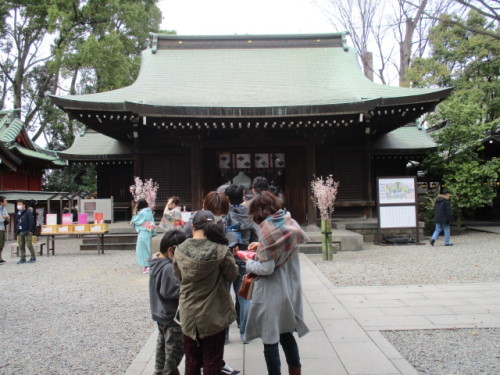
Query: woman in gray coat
{"type": "Point", "coordinates": [276, 310]}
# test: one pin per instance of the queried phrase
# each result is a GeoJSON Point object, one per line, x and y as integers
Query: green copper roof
{"type": "Point", "coordinates": [197, 72]}
{"type": "Point", "coordinates": [10, 128]}
{"type": "Point", "coordinates": [40, 154]}
{"type": "Point", "coordinates": [408, 137]}
{"type": "Point", "coordinates": [94, 145]}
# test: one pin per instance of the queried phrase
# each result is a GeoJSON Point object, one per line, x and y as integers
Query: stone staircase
{"type": "Point", "coordinates": [124, 237]}
{"type": "Point", "coordinates": [118, 238]}
{"type": "Point", "coordinates": [349, 241]}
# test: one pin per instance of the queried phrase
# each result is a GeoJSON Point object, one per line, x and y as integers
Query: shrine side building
{"type": "Point", "coordinates": [288, 107]}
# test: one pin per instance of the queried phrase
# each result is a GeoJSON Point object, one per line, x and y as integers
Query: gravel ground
{"type": "Point", "coordinates": [473, 258]}
{"type": "Point", "coordinates": [73, 313]}
{"type": "Point", "coordinates": [80, 313]}
{"type": "Point", "coordinates": [450, 351]}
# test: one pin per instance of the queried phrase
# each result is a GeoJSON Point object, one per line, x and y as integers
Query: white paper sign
{"type": "Point", "coordinates": [398, 217]}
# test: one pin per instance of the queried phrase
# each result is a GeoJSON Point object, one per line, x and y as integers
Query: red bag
{"type": "Point", "coordinates": [246, 288]}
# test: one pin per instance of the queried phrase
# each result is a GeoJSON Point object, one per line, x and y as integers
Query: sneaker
{"type": "Point", "coordinates": [146, 270]}
{"type": "Point", "coordinates": [32, 260]}
{"type": "Point", "coordinates": [22, 260]}
{"type": "Point", "coordinates": [432, 241]}
{"type": "Point", "coordinates": [227, 370]}
{"type": "Point", "coordinates": [448, 244]}
{"type": "Point", "coordinates": [2, 261]}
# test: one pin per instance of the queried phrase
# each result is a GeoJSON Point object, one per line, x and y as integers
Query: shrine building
{"type": "Point", "coordinates": [205, 109]}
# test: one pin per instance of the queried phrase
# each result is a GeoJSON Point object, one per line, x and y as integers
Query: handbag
{"type": "Point", "coordinates": [246, 288]}
{"type": "Point", "coordinates": [247, 284]}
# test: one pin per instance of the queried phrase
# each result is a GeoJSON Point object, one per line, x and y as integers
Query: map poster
{"type": "Point", "coordinates": [397, 217]}
{"type": "Point", "coordinates": [396, 190]}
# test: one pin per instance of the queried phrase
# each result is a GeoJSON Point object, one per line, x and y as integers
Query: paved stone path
{"type": "Point", "coordinates": [345, 324]}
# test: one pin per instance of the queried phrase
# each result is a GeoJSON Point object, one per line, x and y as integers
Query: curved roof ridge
{"type": "Point", "coordinates": [300, 71]}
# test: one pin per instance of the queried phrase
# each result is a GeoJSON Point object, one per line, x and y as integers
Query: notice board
{"type": "Point", "coordinates": [397, 202]}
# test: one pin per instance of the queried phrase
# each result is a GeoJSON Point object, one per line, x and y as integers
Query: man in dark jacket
{"type": "Point", "coordinates": [240, 232]}
{"type": "Point", "coordinates": [25, 226]}
{"type": "Point", "coordinates": [442, 216]}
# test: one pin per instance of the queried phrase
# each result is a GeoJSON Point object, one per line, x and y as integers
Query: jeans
{"type": "Point", "coordinates": [446, 229]}
{"type": "Point", "coordinates": [244, 305]}
{"type": "Point", "coordinates": [272, 354]}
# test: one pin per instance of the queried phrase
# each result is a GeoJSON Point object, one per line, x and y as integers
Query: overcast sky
{"type": "Point", "coordinates": [227, 17]}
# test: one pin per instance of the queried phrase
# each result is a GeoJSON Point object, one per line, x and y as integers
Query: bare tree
{"type": "Point", "coordinates": [396, 30]}
{"type": "Point", "coordinates": [357, 17]}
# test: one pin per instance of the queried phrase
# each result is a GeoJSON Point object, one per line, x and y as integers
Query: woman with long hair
{"type": "Point", "coordinates": [276, 309]}
{"type": "Point", "coordinates": [204, 266]}
{"type": "Point", "coordinates": [144, 223]}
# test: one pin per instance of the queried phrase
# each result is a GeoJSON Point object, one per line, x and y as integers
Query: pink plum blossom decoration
{"type": "Point", "coordinates": [145, 189]}
{"type": "Point", "coordinates": [324, 193]}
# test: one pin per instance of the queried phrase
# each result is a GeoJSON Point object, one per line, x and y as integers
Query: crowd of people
{"type": "Point", "coordinates": [198, 264]}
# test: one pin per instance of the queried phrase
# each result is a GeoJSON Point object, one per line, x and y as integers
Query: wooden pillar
{"type": "Point", "coordinates": [137, 165]}
{"type": "Point", "coordinates": [196, 176]}
{"type": "Point", "coordinates": [137, 155]}
{"type": "Point", "coordinates": [367, 183]}
{"type": "Point", "coordinates": [310, 172]}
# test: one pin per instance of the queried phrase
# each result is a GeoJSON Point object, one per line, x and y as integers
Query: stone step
{"type": "Point", "coordinates": [122, 230]}
{"type": "Point", "coordinates": [112, 238]}
{"type": "Point", "coordinates": [109, 246]}
{"type": "Point", "coordinates": [310, 248]}
{"type": "Point", "coordinates": [350, 241]}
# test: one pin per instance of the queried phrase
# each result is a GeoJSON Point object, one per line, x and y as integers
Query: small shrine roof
{"type": "Point", "coordinates": [16, 146]}
{"type": "Point", "coordinates": [93, 145]}
{"type": "Point", "coordinates": [408, 137]}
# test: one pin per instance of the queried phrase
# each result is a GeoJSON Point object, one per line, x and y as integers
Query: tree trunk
{"type": "Point", "coordinates": [406, 44]}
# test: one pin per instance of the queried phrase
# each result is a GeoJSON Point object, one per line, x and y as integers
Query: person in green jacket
{"type": "Point", "coordinates": [204, 266]}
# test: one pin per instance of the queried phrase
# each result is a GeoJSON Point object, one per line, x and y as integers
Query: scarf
{"type": "Point", "coordinates": [280, 234]}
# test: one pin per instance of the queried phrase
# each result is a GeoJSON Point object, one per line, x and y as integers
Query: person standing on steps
{"type": "Point", "coordinates": [443, 217]}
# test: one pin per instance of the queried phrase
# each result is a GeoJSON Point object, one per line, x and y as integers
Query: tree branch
{"type": "Point", "coordinates": [468, 4]}
{"type": "Point", "coordinates": [473, 29]}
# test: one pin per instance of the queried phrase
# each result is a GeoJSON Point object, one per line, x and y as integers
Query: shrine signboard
{"type": "Point", "coordinates": [397, 203]}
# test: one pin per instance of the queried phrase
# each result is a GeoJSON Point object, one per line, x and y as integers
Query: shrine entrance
{"type": "Point", "coordinates": [283, 167]}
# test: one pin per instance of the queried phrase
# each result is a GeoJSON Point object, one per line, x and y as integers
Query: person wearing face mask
{"type": "Point", "coordinates": [24, 226]}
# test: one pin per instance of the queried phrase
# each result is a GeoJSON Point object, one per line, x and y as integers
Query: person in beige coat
{"type": "Point", "coordinates": [204, 266]}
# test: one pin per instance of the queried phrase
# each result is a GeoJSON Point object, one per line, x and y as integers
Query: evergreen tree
{"type": "Point", "coordinates": [469, 61]}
